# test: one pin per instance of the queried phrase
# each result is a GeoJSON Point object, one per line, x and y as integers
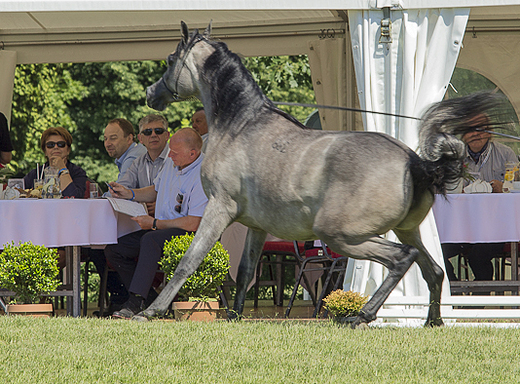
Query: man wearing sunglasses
{"type": "Point", "coordinates": [180, 204]}
{"type": "Point", "coordinates": [154, 135]}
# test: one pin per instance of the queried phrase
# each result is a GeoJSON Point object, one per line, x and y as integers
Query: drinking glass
{"type": "Point", "coordinates": [93, 189]}
{"type": "Point", "coordinates": [51, 184]}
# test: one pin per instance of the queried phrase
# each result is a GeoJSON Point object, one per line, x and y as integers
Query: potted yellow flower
{"type": "Point", "coordinates": [344, 306]}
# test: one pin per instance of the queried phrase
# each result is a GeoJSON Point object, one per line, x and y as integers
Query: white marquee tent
{"type": "Point", "coordinates": [350, 66]}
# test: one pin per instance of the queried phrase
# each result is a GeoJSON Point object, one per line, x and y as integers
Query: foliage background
{"type": "Point", "coordinates": [83, 97]}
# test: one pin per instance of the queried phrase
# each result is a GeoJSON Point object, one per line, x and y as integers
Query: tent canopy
{"type": "Point", "coordinates": [52, 31]}
{"type": "Point", "coordinates": [82, 31]}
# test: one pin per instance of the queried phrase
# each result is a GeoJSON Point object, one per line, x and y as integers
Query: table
{"type": "Point", "coordinates": [480, 218]}
{"type": "Point", "coordinates": [69, 223]}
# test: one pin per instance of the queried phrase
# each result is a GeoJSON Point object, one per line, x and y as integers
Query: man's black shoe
{"type": "Point", "coordinates": [135, 304]}
{"type": "Point", "coordinates": [114, 307]}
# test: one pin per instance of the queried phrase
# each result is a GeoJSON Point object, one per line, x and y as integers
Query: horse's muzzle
{"type": "Point", "coordinates": [158, 96]}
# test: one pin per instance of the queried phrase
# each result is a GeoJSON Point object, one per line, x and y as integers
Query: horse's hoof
{"type": "Point", "coordinates": [232, 315]}
{"type": "Point", "coordinates": [359, 323]}
{"type": "Point", "coordinates": [140, 317]}
{"type": "Point", "coordinates": [147, 314]}
{"type": "Point", "coordinates": [434, 323]}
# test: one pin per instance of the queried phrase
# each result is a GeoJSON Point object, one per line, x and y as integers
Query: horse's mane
{"type": "Point", "coordinates": [235, 95]}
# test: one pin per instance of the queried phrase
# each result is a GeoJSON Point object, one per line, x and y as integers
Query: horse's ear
{"type": "Point", "coordinates": [185, 33]}
{"type": "Point", "coordinates": [207, 31]}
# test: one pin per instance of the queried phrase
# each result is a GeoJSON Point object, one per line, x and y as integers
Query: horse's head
{"type": "Point", "coordinates": [180, 81]}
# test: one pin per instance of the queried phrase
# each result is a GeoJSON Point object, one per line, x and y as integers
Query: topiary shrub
{"type": "Point", "coordinates": [205, 282]}
{"type": "Point", "coordinates": [29, 270]}
{"type": "Point", "coordinates": [342, 303]}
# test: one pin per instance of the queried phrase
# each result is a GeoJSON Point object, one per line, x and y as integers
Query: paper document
{"type": "Point", "coordinates": [130, 208]}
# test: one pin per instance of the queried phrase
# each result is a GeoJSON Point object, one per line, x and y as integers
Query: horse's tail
{"type": "Point", "coordinates": [442, 152]}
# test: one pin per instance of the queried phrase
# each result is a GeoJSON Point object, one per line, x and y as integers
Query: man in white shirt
{"type": "Point", "coordinates": [180, 204]}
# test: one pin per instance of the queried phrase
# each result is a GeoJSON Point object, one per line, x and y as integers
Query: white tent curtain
{"type": "Point", "coordinates": [7, 71]}
{"type": "Point", "coordinates": [403, 77]}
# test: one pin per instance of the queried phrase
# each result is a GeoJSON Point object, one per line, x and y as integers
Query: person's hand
{"type": "Point", "coordinates": [151, 208]}
{"type": "Point", "coordinates": [497, 186]}
{"type": "Point", "coordinates": [57, 162]}
{"type": "Point", "coordinates": [145, 221]}
{"type": "Point", "coordinates": [117, 190]}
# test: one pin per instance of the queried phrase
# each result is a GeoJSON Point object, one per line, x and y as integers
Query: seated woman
{"type": "Point", "coordinates": [55, 144]}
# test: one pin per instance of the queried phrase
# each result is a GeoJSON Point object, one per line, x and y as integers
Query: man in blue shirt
{"type": "Point", "coordinates": [120, 145]}
{"type": "Point", "coordinates": [180, 204]}
{"type": "Point", "coordinates": [154, 135]}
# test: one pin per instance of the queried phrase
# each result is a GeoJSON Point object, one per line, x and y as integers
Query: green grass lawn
{"type": "Point", "coordinates": [67, 350]}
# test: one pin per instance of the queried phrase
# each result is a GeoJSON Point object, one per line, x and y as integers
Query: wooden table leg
{"type": "Point", "coordinates": [514, 261]}
{"type": "Point", "coordinates": [73, 263]}
{"type": "Point", "coordinates": [76, 281]}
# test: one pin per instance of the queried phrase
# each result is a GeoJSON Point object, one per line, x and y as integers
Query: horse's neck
{"type": "Point", "coordinates": [231, 104]}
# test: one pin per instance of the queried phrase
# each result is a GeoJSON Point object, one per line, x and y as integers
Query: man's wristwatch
{"type": "Point", "coordinates": [154, 225]}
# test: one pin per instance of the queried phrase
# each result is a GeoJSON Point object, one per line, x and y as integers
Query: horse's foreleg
{"type": "Point", "coordinates": [432, 273]}
{"type": "Point", "coordinates": [210, 229]}
{"type": "Point", "coordinates": [250, 256]}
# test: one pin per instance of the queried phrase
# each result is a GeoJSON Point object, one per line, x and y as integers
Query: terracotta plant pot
{"type": "Point", "coordinates": [34, 310]}
{"type": "Point", "coordinates": [195, 310]}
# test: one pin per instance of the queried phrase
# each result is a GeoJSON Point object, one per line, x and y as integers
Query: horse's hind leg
{"type": "Point", "coordinates": [397, 258]}
{"type": "Point", "coordinates": [252, 250]}
{"type": "Point", "coordinates": [431, 271]}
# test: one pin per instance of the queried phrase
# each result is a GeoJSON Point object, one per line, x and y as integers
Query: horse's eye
{"type": "Point", "coordinates": [170, 60]}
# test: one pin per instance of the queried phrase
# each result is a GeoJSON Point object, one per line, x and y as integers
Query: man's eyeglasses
{"type": "Point", "coordinates": [148, 131]}
{"type": "Point", "coordinates": [179, 199]}
{"type": "Point", "coordinates": [51, 144]}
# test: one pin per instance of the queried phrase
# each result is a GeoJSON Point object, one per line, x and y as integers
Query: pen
{"type": "Point", "coordinates": [108, 185]}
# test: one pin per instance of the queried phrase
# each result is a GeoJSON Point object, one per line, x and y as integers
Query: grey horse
{"type": "Point", "coordinates": [265, 170]}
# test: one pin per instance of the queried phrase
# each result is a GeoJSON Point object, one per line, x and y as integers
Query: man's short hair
{"type": "Point", "coordinates": [125, 125]}
{"type": "Point", "coordinates": [192, 138]}
{"type": "Point", "coordinates": [150, 119]}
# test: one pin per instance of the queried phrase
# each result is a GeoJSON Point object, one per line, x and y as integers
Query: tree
{"type": "Point", "coordinates": [286, 79]}
{"type": "Point", "coordinates": [83, 97]}
{"type": "Point", "coordinates": [40, 100]}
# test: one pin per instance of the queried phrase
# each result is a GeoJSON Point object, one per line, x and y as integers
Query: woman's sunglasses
{"type": "Point", "coordinates": [51, 144]}
{"type": "Point", "coordinates": [148, 131]}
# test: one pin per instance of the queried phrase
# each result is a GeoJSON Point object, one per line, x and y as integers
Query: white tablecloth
{"type": "Point", "coordinates": [478, 217]}
{"type": "Point", "coordinates": [62, 222]}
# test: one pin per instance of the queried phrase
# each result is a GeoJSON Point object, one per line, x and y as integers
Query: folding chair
{"type": "Point", "coordinates": [318, 259]}
{"type": "Point", "coordinates": [278, 254]}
